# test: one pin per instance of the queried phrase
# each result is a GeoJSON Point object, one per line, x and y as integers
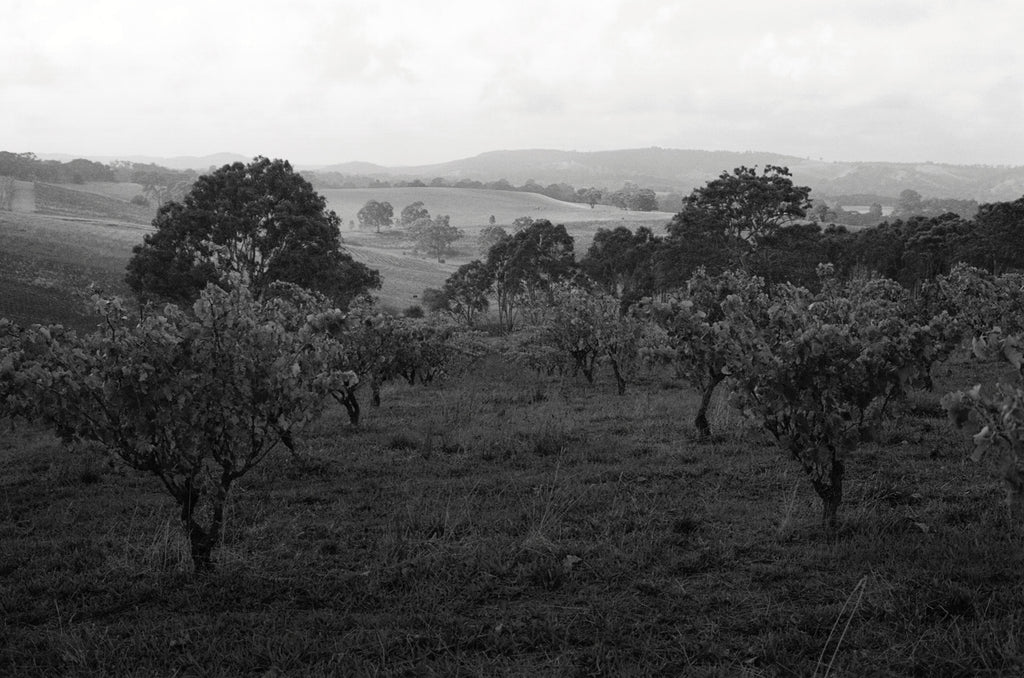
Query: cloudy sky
{"type": "Point", "coordinates": [402, 82]}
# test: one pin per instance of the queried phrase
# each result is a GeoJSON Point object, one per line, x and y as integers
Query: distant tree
{"type": "Point", "coordinates": [413, 212]}
{"type": "Point", "coordinates": [491, 220]}
{"type": "Point", "coordinates": [464, 295]}
{"type": "Point", "coordinates": [642, 200]}
{"type": "Point", "coordinates": [488, 237]}
{"type": "Point", "coordinates": [375, 215]}
{"type": "Point", "coordinates": [622, 262]}
{"type": "Point", "coordinates": [435, 236]}
{"type": "Point", "coordinates": [909, 204]}
{"type": "Point", "coordinates": [260, 222]}
{"type": "Point", "coordinates": [525, 265]}
{"type": "Point", "coordinates": [999, 236]}
{"type": "Point", "coordinates": [590, 196]}
{"type": "Point", "coordinates": [520, 223]}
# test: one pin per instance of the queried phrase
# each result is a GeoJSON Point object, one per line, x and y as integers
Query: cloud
{"type": "Point", "coordinates": [402, 81]}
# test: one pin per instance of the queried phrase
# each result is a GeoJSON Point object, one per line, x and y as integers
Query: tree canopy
{"type": "Point", "coordinates": [259, 221]}
{"type": "Point", "coordinates": [376, 214]}
{"type": "Point", "coordinates": [742, 208]}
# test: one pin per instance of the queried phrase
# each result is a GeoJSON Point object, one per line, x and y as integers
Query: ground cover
{"type": "Point", "coordinates": [63, 201]}
{"type": "Point", "coordinates": [503, 523]}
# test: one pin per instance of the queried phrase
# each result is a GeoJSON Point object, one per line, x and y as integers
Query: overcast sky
{"type": "Point", "coordinates": [402, 82]}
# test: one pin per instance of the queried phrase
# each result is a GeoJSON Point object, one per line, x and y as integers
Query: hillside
{"type": "Point", "coordinates": [471, 208]}
{"type": "Point", "coordinates": [665, 169]}
{"type": "Point", "coordinates": [56, 241]}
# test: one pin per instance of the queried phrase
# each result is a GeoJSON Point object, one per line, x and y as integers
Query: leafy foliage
{"type": "Point", "coordinates": [589, 329]}
{"type": "Point", "coordinates": [375, 215]}
{"type": "Point", "coordinates": [197, 399]}
{"type": "Point", "coordinates": [825, 367]}
{"type": "Point", "coordinates": [261, 222]}
{"type": "Point", "coordinates": [525, 265]}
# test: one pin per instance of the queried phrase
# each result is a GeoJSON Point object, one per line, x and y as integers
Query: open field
{"type": "Point", "coordinates": [471, 208]}
{"type": "Point", "coordinates": [64, 201]}
{"type": "Point", "coordinates": [47, 263]}
{"type": "Point", "coordinates": [505, 524]}
{"type": "Point", "coordinates": [82, 234]}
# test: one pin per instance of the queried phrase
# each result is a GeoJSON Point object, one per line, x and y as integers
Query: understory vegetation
{"type": "Point", "coordinates": [258, 469]}
{"type": "Point", "coordinates": [502, 524]}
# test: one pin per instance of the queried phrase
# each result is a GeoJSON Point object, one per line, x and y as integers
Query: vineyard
{"type": "Point", "coordinates": [738, 479]}
{"type": "Point", "coordinates": [703, 454]}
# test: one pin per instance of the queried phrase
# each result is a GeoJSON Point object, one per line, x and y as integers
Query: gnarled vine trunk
{"type": "Point", "coordinates": [701, 421]}
{"type": "Point", "coordinates": [830, 489]}
{"type": "Point", "coordinates": [202, 540]}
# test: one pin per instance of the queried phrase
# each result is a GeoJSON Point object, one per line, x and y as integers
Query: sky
{"type": "Point", "coordinates": [410, 82]}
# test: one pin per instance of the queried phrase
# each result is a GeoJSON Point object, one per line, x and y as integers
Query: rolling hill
{"type": "Point", "coordinates": [664, 169]}
{"type": "Point", "coordinates": [57, 240]}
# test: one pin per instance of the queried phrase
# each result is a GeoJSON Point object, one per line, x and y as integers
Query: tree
{"type": "Point", "coordinates": [435, 236]}
{"type": "Point", "coordinates": [999, 236]}
{"type": "Point", "coordinates": [642, 200]}
{"type": "Point", "coordinates": [414, 212]}
{"type": "Point", "coordinates": [823, 369]}
{"type": "Point", "coordinates": [709, 328]}
{"type": "Point", "coordinates": [464, 295]}
{"type": "Point", "coordinates": [525, 265]}
{"type": "Point", "coordinates": [909, 204]}
{"type": "Point", "coordinates": [740, 209]}
{"type": "Point", "coordinates": [520, 223]}
{"type": "Point", "coordinates": [622, 262]}
{"type": "Point", "coordinates": [488, 237]}
{"type": "Point", "coordinates": [375, 215]}
{"type": "Point", "coordinates": [588, 327]}
{"type": "Point", "coordinates": [260, 222]}
{"type": "Point", "coordinates": [197, 399]}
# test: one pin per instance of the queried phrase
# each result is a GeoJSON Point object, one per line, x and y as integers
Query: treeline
{"type": "Point", "coordinates": [638, 264]}
{"type": "Point", "coordinates": [630, 196]}
{"type": "Point", "coordinates": [909, 204]}
{"type": "Point", "coordinates": [742, 220]}
{"type": "Point", "coordinates": [27, 167]}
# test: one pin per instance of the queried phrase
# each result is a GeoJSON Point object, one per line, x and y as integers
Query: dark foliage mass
{"type": "Point", "coordinates": [262, 222]}
{"type": "Point", "coordinates": [27, 167]}
{"type": "Point", "coordinates": [761, 224]}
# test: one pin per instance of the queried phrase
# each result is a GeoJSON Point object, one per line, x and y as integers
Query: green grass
{"type": "Point", "coordinates": [502, 524]}
{"type": "Point", "coordinates": [471, 208]}
{"type": "Point", "coordinates": [65, 201]}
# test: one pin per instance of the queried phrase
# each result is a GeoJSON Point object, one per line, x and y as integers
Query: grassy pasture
{"type": "Point", "coordinates": [47, 263]}
{"type": "Point", "coordinates": [64, 201]}
{"type": "Point", "coordinates": [85, 234]}
{"type": "Point", "coordinates": [501, 523]}
{"type": "Point", "coordinates": [470, 208]}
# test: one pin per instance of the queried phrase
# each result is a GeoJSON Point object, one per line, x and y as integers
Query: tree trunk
{"type": "Point", "coordinates": [347, 398]}
{"type": "Point", "coordinates": [619, 380]}
{"type": "Point", "coordinates": [202, 540]}
{"type": "Point", "coordinates": [701, 421]}
{"type": "Point", "coordinates": [374, 392]}
{"type": "Point", "coordinates": [831, 493]}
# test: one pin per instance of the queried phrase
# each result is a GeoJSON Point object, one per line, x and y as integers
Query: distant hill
{"type": "Point", "coordinates": [181, 162]}
{"type": "Point", "coordinates": [665, 169]}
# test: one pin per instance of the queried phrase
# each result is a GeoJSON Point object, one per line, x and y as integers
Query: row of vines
{"type": "Point", "coordinates": [198, 397]}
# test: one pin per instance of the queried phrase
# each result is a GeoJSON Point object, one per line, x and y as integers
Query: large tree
{"type": "Point", "coordinates": [259, 222]}
{"type": "Point", "coordinates": [525, 265]}
{"type": "Point", "coordinates": [739, 210]}
{"type": "Point", "coordinates": [375, 214]}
